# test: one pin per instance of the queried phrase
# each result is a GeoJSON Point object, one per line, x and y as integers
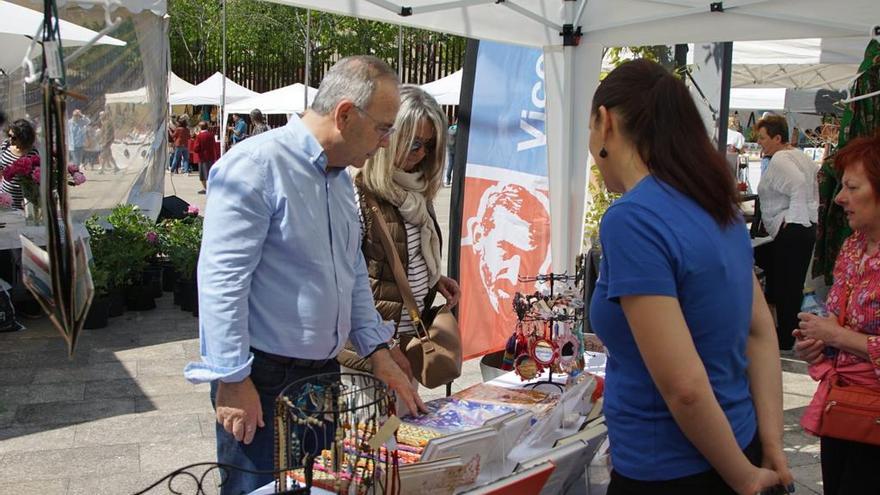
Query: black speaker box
{"type": "Point", "coordinates": [173, 207]}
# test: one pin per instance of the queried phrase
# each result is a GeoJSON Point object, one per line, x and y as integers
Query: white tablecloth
{"type": "Point", "coordinates": [14, 225]}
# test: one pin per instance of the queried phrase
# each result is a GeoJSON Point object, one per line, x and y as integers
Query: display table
{"type": "Point", "coordinates": [571, 461]}
{"type": "Point", "coordinates": [13, 225]}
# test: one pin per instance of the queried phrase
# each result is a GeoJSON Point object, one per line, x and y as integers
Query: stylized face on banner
{"type": "Point", "coordinates": [509, 235]}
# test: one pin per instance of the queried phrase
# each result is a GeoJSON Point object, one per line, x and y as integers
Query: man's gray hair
{"type": "Point", "coordinates": [352, 78]}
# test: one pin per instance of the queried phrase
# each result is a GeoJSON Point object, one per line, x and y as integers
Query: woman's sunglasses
{"type": "Point", "coordinates": [418, 144]}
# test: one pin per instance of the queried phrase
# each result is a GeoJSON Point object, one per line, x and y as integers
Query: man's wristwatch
{"type": "Point", "coordinates": [394, 342]}
{"type": "Point", "coordinates": [379, 347]}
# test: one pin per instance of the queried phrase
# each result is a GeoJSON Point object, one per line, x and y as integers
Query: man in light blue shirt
{"type": "Point", "coordinates": [282, 281]}
{"type": "Point", "coordinates": [77, 127]}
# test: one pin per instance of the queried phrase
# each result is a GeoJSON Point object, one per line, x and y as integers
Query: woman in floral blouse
{"type": "Point", "coordinates": [852, 350]}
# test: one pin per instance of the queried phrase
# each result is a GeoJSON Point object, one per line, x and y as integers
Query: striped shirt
{"type": "Point", "coordinates": [7, 158]}
{"type": "Point", "coordinates": [416, 273]}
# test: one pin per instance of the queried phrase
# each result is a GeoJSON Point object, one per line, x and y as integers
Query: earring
{"type": "Point", "coordinates": [603, 153]}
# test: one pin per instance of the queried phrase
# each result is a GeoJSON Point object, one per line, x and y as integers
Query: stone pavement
{"type": "Point", "coordinates": [119, 415]}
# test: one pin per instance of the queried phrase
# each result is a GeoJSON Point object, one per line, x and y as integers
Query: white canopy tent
{"type": "Point", "coordinates": [572, 72]}
{"type": "Point", "coordinates": [19, 24]}
{"type": "Point", "coordinates": [209, 92]}
{"type": "Point", "coordinates": [176, 85]}
{"type": "Point", "coordinates": [445, 90]}
{"type": "Point", "coordinates": [286, 100]}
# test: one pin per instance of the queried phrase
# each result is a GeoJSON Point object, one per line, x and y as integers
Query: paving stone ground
{"type": "Point", "coordinates": [119, 415]}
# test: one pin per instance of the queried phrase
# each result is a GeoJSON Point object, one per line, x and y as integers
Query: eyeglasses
{"type": "Point", "coordinates": [385, 130]}
{"type": "Point", "coordinates": [418, 144]}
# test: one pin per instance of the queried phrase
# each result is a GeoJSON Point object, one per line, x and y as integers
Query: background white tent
{"type": "Point", "coordinates": [175, 85]}
{"type": "Point", "coordinates": [209, 92]}
{"type": "Point", "coordinates": [286, 100]}
{"type": "Point", "coordinates": [19, 24]}
{"type": "Point", "coordinates": [445, 90]}
{"type": "Point", "coordinates": [572, 72]}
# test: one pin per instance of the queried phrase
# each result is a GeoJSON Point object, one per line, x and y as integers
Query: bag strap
{"type": "Point", "coordinates": [403, 286]}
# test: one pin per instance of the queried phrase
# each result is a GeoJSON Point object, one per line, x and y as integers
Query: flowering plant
{"type": "Point", "coordinates": [25, 172]}
{"type": "Point", "coordinates": [5, 200]}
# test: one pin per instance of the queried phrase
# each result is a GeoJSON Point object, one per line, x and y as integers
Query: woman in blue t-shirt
{"type": "Point", "coordinates": [694, 390]}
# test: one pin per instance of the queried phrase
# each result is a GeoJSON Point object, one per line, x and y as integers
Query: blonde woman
{"type": "Point", "coordinates": [403, 179]}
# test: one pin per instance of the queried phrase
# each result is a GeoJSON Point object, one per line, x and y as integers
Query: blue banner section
{"type": "Point", "coordinates": [508, 123]}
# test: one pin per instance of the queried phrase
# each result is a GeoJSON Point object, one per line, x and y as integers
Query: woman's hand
{"type": "Point", "coordinates": [824, 328]}
{"type": "Point", "coordinates": [809, 350]}
{"type": "Point", "coordinates": [450, 290]}
{"type": "Point", "coordinates": [759, 480]}
{"type": "Point", "coordinates": [775, 460]}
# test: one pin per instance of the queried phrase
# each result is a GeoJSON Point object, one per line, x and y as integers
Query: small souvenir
{"type": "Point", "coordinates": [526, 367]}
{"type": "Point", "coordinates": [544, 352]}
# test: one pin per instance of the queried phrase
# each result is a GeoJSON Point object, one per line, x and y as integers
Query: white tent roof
{"type": "Point", "coordinates": [286, 100]}
{"type": "Point", "coordinates": [445, 90]}
{"type": "Point", "coordinates": [209, 92]}
{"type": "Point", "coordinates": [19, 24]}
{"type": "Point", "coordinates": [572, 73]}
{"type": "Point", "coordinates": [175, 85]}
{"type": "Point", "coordinates": [758, 98]}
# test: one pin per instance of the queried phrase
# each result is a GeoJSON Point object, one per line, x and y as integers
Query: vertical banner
{"type": "Point", "coordinates": [505, 228]}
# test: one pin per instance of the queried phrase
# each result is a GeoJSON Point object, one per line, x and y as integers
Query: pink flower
{"type": "Point", "coordinates": [5, 200]}
{"type": "Point", "coordinates": [152, 237]}
{"type": "Point", "coordinates": [35, 175]}
{"type": "Point", "coordinates": [192, 210]}
{"type": "Point", "coordinates": [78, 178]}
{"type": "Point", "coordinates": [72, 168]}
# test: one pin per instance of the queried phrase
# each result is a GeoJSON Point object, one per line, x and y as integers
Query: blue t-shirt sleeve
{"type": "Point", "coordinates": [639, 253]}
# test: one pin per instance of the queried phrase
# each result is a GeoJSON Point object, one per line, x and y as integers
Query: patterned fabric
{"type": "Point", "coordinates": [857, 289]}
{"type": "Point", "coordinates": [861, 118]}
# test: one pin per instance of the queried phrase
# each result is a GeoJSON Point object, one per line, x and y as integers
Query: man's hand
{"type": "Point", "coordinates": [450, 290]}
{"type": "Point", "coordinates": [239, 410]}
{"type": "Point", "coordinates": [385, 369]}
{"type": "Point", "coordinates": [402, 362]}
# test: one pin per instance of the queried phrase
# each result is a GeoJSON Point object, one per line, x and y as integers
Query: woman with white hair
{"type": "Point", "coordinates": [403, 180]}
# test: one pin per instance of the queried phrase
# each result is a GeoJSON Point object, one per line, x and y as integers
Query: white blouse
{"type": "Point", "coordinates": [789, 191]}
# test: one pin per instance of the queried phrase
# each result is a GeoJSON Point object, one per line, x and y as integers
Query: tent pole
{"type": "Point", "coordinates": [308, 59]}
{"type": "Point", "coordinates": [223, 87]}
{"type": "Point", "coordinates": [724, 104]}
{"type": "Point", "coordinates": [399, 50]}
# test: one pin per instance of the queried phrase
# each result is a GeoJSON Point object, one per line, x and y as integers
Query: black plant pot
{"type": "Point", "coordinates": [152, 279]}
{"type": "Point", "coordinates": [98, 313]}
{"type": "Point", "coordinates": [169, 277]}
{"type": "Point", "coordinates": [139, 298]}
{"type": "Point", "coordinates": [117, 302]}
{"type": "Point", "coordinates": [187, 294]}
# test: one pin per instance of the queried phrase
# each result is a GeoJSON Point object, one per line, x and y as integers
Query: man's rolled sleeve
{"type": "Point", "coordinates": [367, 328]}
{"type": "Point", "coordinates": [236, 223]}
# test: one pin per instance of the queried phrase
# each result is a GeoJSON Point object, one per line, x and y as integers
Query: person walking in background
{"type": "Point", "coordinates": [403, 180]}
{"type": "Point", "coordinates": [93, 146]}
{"type": "Point", "coordinates": [180, 139]}
{"type": "Point", "coordinates": [789, 196]}
{"type": "Point", "coordinates": [844, 347]}
{"type": "Point", "coordinates": [108, 135]}
{"type": "Point", "coordinates": [204, 147]}
{"type": "Point", "coordinates": [77, 128]}
{"type": "Point", "coordinates": [238, 129]}
{"type": "Point", "coordinates": [282, 280]}
{"type": "Point", "coordinates": [450, 145]}
{"type": "Point", "coordinates": [693, 392]}
{"type": "Point", "coordinates": [258, 122]}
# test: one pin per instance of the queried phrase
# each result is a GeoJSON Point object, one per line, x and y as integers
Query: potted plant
{"type": "Point", "coordinates": [99, 311]}
{"type": "Point", "coordinates": [108, 262]}
{"type": "Point", "coordinates": [183, 241]}
{"type": "Point", "coordinates": [129, 232]}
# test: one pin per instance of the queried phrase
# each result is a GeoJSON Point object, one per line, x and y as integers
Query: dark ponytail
{"type": "Point", "coordinates": [659, 115]}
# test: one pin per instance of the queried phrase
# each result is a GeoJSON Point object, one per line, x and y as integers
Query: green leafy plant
{"type": "Point", "coordinates": [182, 240]}
{"type": "Point", "coordinates": [121, 246]}
{"type": "Point", "coordinates": [601, 200]}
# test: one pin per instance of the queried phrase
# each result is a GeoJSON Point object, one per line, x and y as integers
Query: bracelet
{"type": "Point", "coordinates": [394, 342]}
{"type": "Point", "coordinates": [379, 347]}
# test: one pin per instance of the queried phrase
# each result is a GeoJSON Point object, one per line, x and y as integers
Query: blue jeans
{"type": "Point", "coordinates": [450, 163]}
{"type": "Point", "coordinates": [270, 377]}
{"type": "Point", "coordinates": [180, 153]}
